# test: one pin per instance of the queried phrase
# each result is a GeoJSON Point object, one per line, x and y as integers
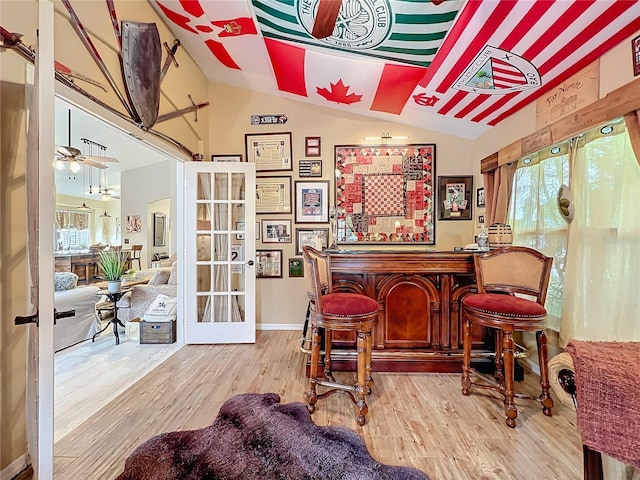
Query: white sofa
{"type": "Point", "coordinates": [82, 326]}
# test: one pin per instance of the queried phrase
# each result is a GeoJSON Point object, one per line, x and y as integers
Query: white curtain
{"type": "Point", "coordinates": [221, 220]}
{"type": "Point", "coordinates": [603, 262]}
{"type": "Point", "coordinates": [535, 220]}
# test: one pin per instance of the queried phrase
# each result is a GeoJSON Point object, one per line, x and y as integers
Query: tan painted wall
{"type": "Point", "coordinates": [13, 266]}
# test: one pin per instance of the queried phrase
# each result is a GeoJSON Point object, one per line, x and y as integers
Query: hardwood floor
{"type": "Point", "coordinates": [414, 419]}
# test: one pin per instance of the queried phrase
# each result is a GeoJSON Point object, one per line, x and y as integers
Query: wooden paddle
{"type": "Point", "coordinates": [327, 15]}
{"type": "Point", "coordinates": [326, 18]}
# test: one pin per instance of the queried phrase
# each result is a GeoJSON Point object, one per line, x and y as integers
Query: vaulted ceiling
{"type": "Point", "coordinates": [453, 66]}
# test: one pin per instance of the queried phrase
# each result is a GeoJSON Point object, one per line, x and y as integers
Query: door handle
{"type": "Point", "coordinates": [250, 263]}
{"type": "Point", "coordinates": [35, 318]}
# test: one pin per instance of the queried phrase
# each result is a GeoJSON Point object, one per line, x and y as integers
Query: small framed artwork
{"type": "Point", "coordinates": [312, 202]}
{"type": "Point", "coordinates": [317, 238]}
{"type": "Point", "coordinates": [311, 146]}
{"type": "Point", "coordinates": [310, 168]}
{"type": "Point", "coordinates": [269, 151]}
{"type": "Point", "coordinates": [240, 226]}
{"type": "Point", "coordinates": [480, 220]}
{"type": "Point", "coordinates": [635, 52]}
{"type": "Point", "coordinates": [480, 198]}
{"type": "Point", "coordinates": [273, 195]}
{"type": "Point", "coordinates": [227, 158]}
{"type": "Point", "coordinates": [268, 263]}
{"type": "Point", "coordinates": [257, 230]}
{"type": "Point", "coordinates": [276, 231]}
{"type": "Point", "coordinates": [296, 268]}
{"type": "Point", "coordinates": [455, 198]}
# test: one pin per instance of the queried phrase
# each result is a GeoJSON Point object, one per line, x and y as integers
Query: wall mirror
{"type": "Point", "coordinates": [159, 229]}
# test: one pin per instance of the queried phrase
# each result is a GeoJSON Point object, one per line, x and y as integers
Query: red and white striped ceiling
{"type": "Point", "coordinates": [455, 66]}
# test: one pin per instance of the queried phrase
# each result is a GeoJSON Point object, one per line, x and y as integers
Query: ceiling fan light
{"type": "Point", "coordinates": [74, 166]}
{"type": "Point", "coordinates": [60, 165]}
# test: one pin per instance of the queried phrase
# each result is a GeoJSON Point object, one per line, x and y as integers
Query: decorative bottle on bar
{"type": "Point", "coordinates": [483, 240]}
{"type": "Point", "coordinates": [333, 220]}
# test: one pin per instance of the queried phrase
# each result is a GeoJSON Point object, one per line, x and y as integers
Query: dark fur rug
{"type": "Point", "coordinates": [255, 438]}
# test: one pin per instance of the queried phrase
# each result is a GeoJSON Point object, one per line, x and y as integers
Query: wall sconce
{"type": "Point", "coordinates": [386, 136]}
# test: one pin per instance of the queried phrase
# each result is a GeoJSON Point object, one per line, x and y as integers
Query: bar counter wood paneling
{"type": "Point", "coordinates": [419, 325]}
{"type": "Point", "coordinates": [82, 264]}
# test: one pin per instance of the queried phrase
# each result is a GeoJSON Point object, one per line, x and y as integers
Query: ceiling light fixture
{"type": "Point", "coordinates": [386, 136]}
{"type": "Point", "coordinates": [74, 166]}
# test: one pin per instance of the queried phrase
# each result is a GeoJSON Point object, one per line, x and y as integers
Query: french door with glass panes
{"type": "Point", "coordinates": [219, 239]}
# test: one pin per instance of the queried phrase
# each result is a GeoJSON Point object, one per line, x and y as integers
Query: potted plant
{"type": "Point", "coordinates": [113, 265]}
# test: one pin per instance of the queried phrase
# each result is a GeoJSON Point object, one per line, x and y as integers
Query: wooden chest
{"type": "Point", "coordinates": [158, 332]}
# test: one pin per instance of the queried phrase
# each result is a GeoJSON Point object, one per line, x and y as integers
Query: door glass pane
{"type": "Point", "coordinates": [221, 278]}
{"type": "Point", "coordinates": [221, 246]}
{"type": "Point", "coordinates": [221, 309]}
{"type": "Point", "coordinates": [237, 182]}
{"type": "Point", "coordinates": [239, 308]}
{"type": "Point", "coordinates": [221, 188]}
{"type": "Point", "coordinates": [220, 219]}
{"type": "Point", "coordinates": [204, 314]}
{"type": "Point", "coordinates": [203, 278]}
{"type": "Point", "coordinates": [237, 215]}
{"type": "Point", "coordinates": [203, 214]}
{"type": "Point", "coordinates": [204, 247]}
{"type": "Point", "coordinates": [204, 186]}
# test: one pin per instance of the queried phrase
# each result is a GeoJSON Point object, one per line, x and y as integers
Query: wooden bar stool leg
{"type": "Point", "coordinates": [498, 360]}
{"type": "Point", "coordinates": [545, 397]}
{"type": "Point", "coordinates": [312, 395]}
{"type": "Point", "coordinates": [509, 405]}
{"type": "Point", "coordinates": [328, 338]}
{"type": "Point", "coordinates": [370, 383]}
{"type": "Point", "coordinates": [466, 357]}
{"type": "Point", "coordinates": [361, 408]}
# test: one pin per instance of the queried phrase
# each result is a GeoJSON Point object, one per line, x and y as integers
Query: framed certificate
{"type": "Point", "coordinates": [273, 195]}
{"type": "Point", "coordinates": [269, 151]}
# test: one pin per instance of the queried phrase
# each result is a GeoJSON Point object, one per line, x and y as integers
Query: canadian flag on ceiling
{"type": "Point", "coordinates": [364, 84]}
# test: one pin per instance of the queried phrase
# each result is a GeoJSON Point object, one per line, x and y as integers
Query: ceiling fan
{"type": "Point", "coordinates": [327, 16]}
{"type": "Point", "coordinates": [75, 156]}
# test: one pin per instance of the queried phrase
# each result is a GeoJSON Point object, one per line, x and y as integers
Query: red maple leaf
{"type": "Point", "coordinates": [338, 93]}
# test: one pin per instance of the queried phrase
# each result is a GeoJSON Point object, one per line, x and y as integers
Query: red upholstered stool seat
{"type": "Point", "coordinates": [507, 305]}
{"type": "Point", "coordinates": [348, 304]}
{"type": "Point", "coordinates": [500, 274]}
{"type": "Point", "coordinates": [337, 311]}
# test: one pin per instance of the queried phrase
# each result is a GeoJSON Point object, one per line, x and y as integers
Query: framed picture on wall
{"type": "Point", "coordinates": [296, 268]}
{"type": "Point", "coordinates": [269, 151]}
{"type": "Point", "coordinates": [454, 197]}
{"type": "Point", "coordinates": [312, 202]}
{"type": "Point", "coordinates": [480, 197]}
{"type": "Point", "coordinates": [386, 193]}
{"type": "Point", "coordinates": [276, 231]}
{"type": "Point", "coordinates": [273, 195]}
{"type": "Point", "coordinates": [317, 238]}
{"type": "Point", "coordinates": [268, 263]}
{"type": "Point", "coordinates": [227, 158]}
{"type": "Point", "coordinates": [311, 146]}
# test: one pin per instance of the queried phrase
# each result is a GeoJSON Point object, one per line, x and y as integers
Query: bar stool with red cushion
{"type": "Point", "coordinates": [337, 311]}
{"type": "Point", "coordinates": [500, 274]}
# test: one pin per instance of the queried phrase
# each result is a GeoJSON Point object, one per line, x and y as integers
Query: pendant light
{"type": "Point", "coordinates": [84, 196]}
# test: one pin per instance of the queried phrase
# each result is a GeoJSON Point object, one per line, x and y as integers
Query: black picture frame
{"type": "Point", "coordinates": [159, 229]}
{"type": "Point", "coordinates": [454, 197]}
{"type": "Point", "coordinates": [480, 197]}
{"type": "Point", "coordinates": [310, 168]}
{"type": "Point", "coordinates": [315, 237]}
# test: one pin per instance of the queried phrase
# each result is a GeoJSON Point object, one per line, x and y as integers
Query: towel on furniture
{"type": "Point", "coordinates": [254, 437]}
{"type": "Point", "coordinates": [608, 392]}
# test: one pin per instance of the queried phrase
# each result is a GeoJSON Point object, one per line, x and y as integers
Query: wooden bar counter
{"type": "Point", "coordinates": [419, 325]}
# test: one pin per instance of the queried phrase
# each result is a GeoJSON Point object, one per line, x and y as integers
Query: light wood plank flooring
{"type": "Point", "coordinates": [414, 419]}
{"type": "Point", "coordinates": [91, 374]}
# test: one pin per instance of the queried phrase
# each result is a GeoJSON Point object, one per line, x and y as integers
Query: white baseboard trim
{"type": "Point", "coordinates": [14, 468]}
{"type": "Point", "coordinates": [278, 326]}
